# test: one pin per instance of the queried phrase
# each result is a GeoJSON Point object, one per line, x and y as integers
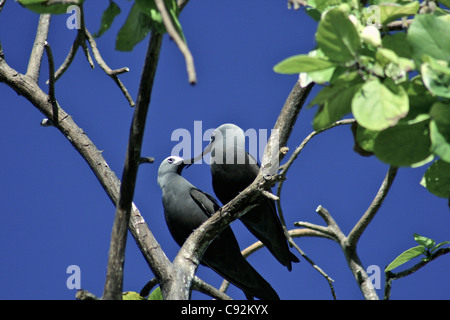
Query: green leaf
{"type": "Point", "coordinates": [130, 295]}
{"type": "Point", "coordinates": [420, 99]}
{"type": "Point", "coordinates": [424, 241]}
{"type": "Point", "coordinates": [436, 77]}
{"type": "Point", "coordinates": [397, 42]}
{"type": "Point", "coordinates": [149, 8]}
{"type": "Point", "coordinates": [366, 138]}
{"type": "Point", "coordinates": [405, 257]}
{"type": "Point", "coordinates": [335, 107]}
{"type": "Point", "coordinates": [377, 105]}
{"type": "Point", "coordinates": [440, 142]}
{"type": "Point", "coordinates": [429, 35]}
{"type": "Point", "coordinates": [437, 179]}
{"type": "Point", "coordinates": [390, 11]}
{"type": "Point", "coordinates": [40, 6]}
{"type": "Point", "coordinates": [440, 245]}
{"type": "Point", "coordinates": [404, 144]}
{"type": "Point", "coordinates": [303, 63]}
{"type": "Point", "coordinates": [392, 65]}
{"type": "Point", "coordinates": [440, 130]}
{"type": "Point", "coordinates": [134, 30]}
{"type": "Point", "coordinates": [156, 294]}
{"type": "Point", "coordinates": [337, 36]}
{"type": "Point", "coordinates": [108, 16]}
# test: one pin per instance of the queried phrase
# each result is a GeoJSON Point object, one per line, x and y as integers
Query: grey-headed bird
{"type": "Point", "coordinates": [185, 209]}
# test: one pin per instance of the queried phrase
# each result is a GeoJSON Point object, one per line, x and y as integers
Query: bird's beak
{"type": "Point", "coordinates": [200, 156]}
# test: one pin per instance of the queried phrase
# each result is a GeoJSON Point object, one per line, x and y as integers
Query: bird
{"type": "Point", "coordinates": [233, 169]}
{"type": "Point", "coordinates": [185, 209]}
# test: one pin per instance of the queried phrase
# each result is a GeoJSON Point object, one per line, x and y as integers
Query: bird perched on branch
{"type": "Point", "coordinates": [233, 169]}
{"type": "Point", "coordinates": [185, 209]}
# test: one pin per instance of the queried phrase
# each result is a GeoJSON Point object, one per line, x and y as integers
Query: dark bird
{"type": "Point", "coordinates": [233, 169]}
{"type": "Point", "coordinates": [185, 209]}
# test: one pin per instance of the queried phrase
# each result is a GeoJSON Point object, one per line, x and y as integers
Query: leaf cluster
{"type": "Point", "coordinates": [427, 247]}
{"type": "Point", "coordinates": [396, 83]}
{"type": "Point", "coordinates": [142, 18]}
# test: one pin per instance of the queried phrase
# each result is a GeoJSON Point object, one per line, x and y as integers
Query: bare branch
{"type": "Point", "coordinates": [179, 42]}
{"type": "Point", "coordinates": [114, 277]}
{"type": "Point", "coordinates": [71, 55]}
{"type": "Point", "coordinates": [362, 224]}
{"type": "Point", "coordinates": [34, 64]}
{"type": "Point", "coordinates": [201, 286]}
{"type": "Point", "coordinates": [270, 195]}
{"type": "Point", "coordinates": [285, 167]}
{"type": "Point", "coordinates": [52, 2]}
{"type": "Point", "coordinates": [51, 67]}
{"type": "Point", "coordinates": [112, 73]}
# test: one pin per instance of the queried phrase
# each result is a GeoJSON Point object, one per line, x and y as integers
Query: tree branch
{"type": "Point", "coordinates": [283, 128]}
{"type": "Point", "coordinates": [51, 68]}
{"type": "Point", "coordinates": [112, 73]}
{"type": "Point", "coordinates": [362, 224]}
{"type": "Point", "coordinates": [80, 40]}
{"type": "Point", "coordinates": [70, 56]}
{"type": "Point", "coordinates": [34, 64]}
{"type": "Point", "coordinates": [179, 42]}
{"type": "Point", "coordinates": [114, 277]}
{"type": "Point", "coordinates": [390, 276]}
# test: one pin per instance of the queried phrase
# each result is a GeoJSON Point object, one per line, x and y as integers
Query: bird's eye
{"type": "Point", "coordinates": [170, 160]}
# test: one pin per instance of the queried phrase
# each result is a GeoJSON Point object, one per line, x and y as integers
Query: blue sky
{"type": "Point", "coordinates": [55, 213]}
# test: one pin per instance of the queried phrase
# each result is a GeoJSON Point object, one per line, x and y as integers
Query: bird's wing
{"type": "Point", "coordinates": [206, 202]}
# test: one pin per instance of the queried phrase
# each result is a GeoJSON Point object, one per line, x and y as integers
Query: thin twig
{"type": "Point", "coordinates": [112, 73]}
{"type": "Point", "coordinates": [82, 33]}
{"type": "Point", "coordinates": [179, 42]}
{"type": "Point", "coordinates": [203, 287]}
{"type": "Point", "coordinates": [70, 56]}
{"type": "Point", "coordinates": [34, 64]}
{"type": "Point", "coordinates": [361, 225]}
{"type": "Point", "coordinates": [399, 25]}
{"type": "Point", "coordinates": [390, 276]}
{"type": "Point", "coordinates": [52, 2]}
{"type": "Point", "coordinates": [285, 167]}
{"type": "Point", "coordinates": [145, 291]}
{"type": "Point", "coordinates": [51, 67]}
